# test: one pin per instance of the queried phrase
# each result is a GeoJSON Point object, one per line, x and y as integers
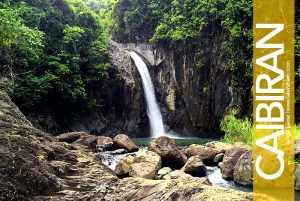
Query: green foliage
{"type": "Point", "coordinates": [132, 20]}
{"type": "Point", "coordinates": [236, 130]}
{"type": "Point", "coordinates": [41, 156]}
{"type": "Point", "coordinates": [183, 23]}
{"type": "Point", "coordinates": [67, 145]}
{"type": "Point", "coordinates": [14, 32]}
{"type": "Point", "coordinates": [34, 137]}
{"type": "Point", "coordinates": [199, 65]}
{"type": "Point", "coordinates": [20, 45]}
{"type": "Point", "coordinates": [53, 51]}
{"type": "Point", "coordinates": [95, 5]}
{"type": "Point", "coordinates": [72, 34]}
{"type": "Point", "coordinates": [106, 14]}
{"type": "Point", "coordinates": [297, 128]}
{"type": "Point", "coordinates": [190, 27]}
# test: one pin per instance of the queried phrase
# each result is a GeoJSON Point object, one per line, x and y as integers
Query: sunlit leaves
{"type": "Point", "coordinates": [14, 32]}
{"type": "Point", "coordinates": [59, 51]}
{"type": "Point", "coordinates": [72, 33]}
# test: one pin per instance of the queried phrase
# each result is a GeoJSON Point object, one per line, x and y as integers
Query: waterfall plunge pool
{"type": "Point", "coordinates": [183, 142]}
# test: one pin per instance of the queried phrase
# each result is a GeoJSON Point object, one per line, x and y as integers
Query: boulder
{"type": "Point", "coordinates": [104, 143]}
{"type": "Point", "coordinates": [148, 156]}
{"type": "Point", "coordinates": [219, 158]}
{"type": "Point", "coordinates": [123, 141]}
{"type": "Point", "coordinates": [220, 146]}
{"type": "Point", "coordinates": [144, 170]}
{"type": "Point", "coordinates": [243, 170]}
{"type": "Point", "coordinates": [297, 177]}
{"type": "Point", "coordinates": [144, 165]}
{"type": "Point", "coordinates": [170, 153]}
{"type": "Point", "coordinates": [297, 148]}
{"type": "Point", "coordinates": [70, 137]}
{"type": "Point", "coordinates": [242, 145]}
{"type": "Point", "coordinates": [230, 159]}
{"type": "Point", "coordinates": [122, 168]}
{"type": "Point", "coordinates": [207, 154]}
{"type": "Point", "coordinates": [162, 172]}
{"type": "Point", "coordinates": [195, 167]}
{"type": "Point", "coordinates": [178, 174]}
{"type": "Point", "coordinates": [88, 140]}
{"type": "Point", "coordinates": [79, 138]}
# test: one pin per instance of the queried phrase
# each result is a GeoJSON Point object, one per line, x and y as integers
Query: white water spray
{"type": "Point", "coordinates": [154, 114]}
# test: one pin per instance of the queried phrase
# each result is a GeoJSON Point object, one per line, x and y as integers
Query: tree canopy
{"type": "Point", "coordinates": [54, 51]}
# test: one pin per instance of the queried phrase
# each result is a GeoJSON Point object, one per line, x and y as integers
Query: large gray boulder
{"type": "Point", "coordinates": [123, 167]}
{"type": "Point", "coordinates": [71, 136]}
{"type": "Point", "coordinates": [80, 138]}
{"type": "Point", "coordinates": [89, 141]}
{"type": "Point", "coordinates": [145, 165]}
{"type": "Point", "coordinates": [144, 170]}
{"type": "Point", "coordinates": [104, 143]}
{"type": "Point", "coordinates": [207, 154]}
{"type": "Point", "coordinates": [220, 146]}
{"type": "Point", "coordinates": [123, 141]}
{"type": "Point", "coordinates": [170, 153]}
{"type": "Point", "coordinates": [243, 170]}
{"type": "Point", "coordinates": [195, 167]}
{"type": "Point", "coordinates": [231, 157]}
{"type": "Point", "coordinates": [150, 157]}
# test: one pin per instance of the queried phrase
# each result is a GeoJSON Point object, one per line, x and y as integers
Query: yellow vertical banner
{"type": "Point", "coordinates": [273, 99]}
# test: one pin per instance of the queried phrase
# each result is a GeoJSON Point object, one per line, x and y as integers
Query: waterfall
{"type": "Point", "coordinates": [154, 114]}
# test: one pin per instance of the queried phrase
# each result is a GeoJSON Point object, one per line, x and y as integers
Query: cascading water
{"type": "Point", "coordinates": [154, 114]}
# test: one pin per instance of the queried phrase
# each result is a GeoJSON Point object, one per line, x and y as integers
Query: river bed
{"type": "Point", "coordinates": [213, 172]}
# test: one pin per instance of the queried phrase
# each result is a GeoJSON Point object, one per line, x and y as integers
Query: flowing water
{"type": "Point", "coordinates": [153, 110]}
{"type": "Point", "coordinates": [213, 172]}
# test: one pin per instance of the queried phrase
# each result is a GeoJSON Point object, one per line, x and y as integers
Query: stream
{"type": "Point", "coordinates": [213, 172]}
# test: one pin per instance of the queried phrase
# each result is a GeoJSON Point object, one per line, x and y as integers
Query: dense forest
{"type": "Point", "coordinates": [54, 52]}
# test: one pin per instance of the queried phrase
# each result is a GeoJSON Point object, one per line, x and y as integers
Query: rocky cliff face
{"type": "Point", "coordinates": [9, 112]}
{"type": "Point", "coordinates": [192, 100]}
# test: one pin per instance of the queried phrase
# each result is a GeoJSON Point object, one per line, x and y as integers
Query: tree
{"type": "Point", "coordinates": [56, 51]}
{"type": "Point", "coordinates": [19, 44]}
